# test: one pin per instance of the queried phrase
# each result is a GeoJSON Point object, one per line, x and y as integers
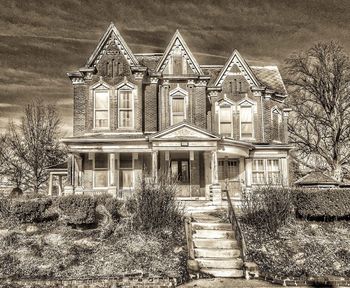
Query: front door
{"type": "Point", "coordinates": [180, 170]}
{"type": "Point", "coordinates": [228, 170]}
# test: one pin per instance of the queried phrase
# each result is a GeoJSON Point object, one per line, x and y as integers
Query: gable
{"type": "Point", "coordinates": [112, 43]}
{"type": "Point", "coordinates": [184, 131]}
{"type": "Point", "coordinates": [237, 65]}
{"type": "Point", "coordinates": [178, 48]}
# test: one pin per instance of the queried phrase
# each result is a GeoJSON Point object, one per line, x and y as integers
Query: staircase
{"type": "Point", "coordinates": [213, 248]}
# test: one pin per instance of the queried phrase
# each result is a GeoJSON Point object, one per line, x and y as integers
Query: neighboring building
{"type": "Point", "coordinates": [317, 179]}
{"type": "Point", "coordinates": [142, 115]}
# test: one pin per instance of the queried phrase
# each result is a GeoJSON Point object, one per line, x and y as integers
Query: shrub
{"type": "Point", "coordinates": [78, 209]}
{"type": "Point", "coordinates": [24, 210]}
{"type": "Point", "coordinates": [111, 204]}
{"type": "Point", "coordinates": [155, 205]}
{"type": "Point", "coordinates": [267, 208]}
{"type": "Point", "coordinates": [321, 204]}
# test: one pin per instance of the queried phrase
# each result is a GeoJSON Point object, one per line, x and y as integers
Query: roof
{"type": "Point", "coordinates": [270, 77]}
{"type": "Point", "coordinates": [316, 177]}
{"type": "Point", "coordinates": [105, 137]}
{"type": "Point", "coordinates": [149, 60]}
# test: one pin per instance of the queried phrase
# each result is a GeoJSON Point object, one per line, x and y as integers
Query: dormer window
{"type": "Point", "coordinates": [101, 107]}
{"type": "Point", "coordinates": [246, 116]}
{"type": "Point", "coordinates": [225, 116]}
{"type": "Point", "coordinates": [178, 102]}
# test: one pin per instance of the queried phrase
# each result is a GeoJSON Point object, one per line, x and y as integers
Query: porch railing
{"type": "Point", "coordinates": [236, 227]}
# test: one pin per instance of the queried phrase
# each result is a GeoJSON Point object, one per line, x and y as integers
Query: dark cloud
{"type": "Point", "coordinates": [41, 40]}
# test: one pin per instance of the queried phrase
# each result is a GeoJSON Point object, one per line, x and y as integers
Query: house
{"type": "Point", "coordinates": [212, 127]}
{"type": "Point", "coordinates": [317, 179]}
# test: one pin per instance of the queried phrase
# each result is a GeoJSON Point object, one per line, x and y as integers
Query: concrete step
{"type": "Point", "coordinates": [216, 253]}
{"type": "Point", "coordinates": [213, 234]}
{"type": "Point", "coordinates": [215, 243]}
{"type": "Point", "coordinates": [224, 273]}
{"type": "Point", "coordinates": [211, 226]}
{"type": "Point", "coordinates": [219, 263]}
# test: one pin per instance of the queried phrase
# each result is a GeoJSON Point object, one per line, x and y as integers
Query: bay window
{"type": "Point", "coordinates": [266, 172]}
{"type": "Point", "coordinates": [258, 172]}
{"type": "Point", "coordinates": [273, 171]}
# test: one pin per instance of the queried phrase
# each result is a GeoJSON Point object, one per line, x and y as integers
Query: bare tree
{"type": "Point", "coordinates": [318, 81]}
{"type": "Point", "coordinates": [34, 144]}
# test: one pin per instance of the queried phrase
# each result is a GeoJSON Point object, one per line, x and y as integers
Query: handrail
{"type": "Point", "coordinates": [189, 240]}
{"type": "Point", "coordinates": [236, 226]}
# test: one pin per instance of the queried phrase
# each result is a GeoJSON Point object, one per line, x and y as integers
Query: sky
{"type": "Point", "coordinates": [41, 40]}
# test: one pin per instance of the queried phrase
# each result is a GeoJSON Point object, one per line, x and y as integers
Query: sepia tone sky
{"type": "Point", "coordinates": [41, 40]}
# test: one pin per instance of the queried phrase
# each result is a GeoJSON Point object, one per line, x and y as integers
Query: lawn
{"type": "Point", "coordinates": [302, 248]}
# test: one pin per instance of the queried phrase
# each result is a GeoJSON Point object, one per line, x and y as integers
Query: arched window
{"type": "Point", "coordinates": [101, 107]}
{"type": "Point", "coordinates": [246, 116]}
{"type": "Point", "coordinates": [126, 105]}
{"type": "Point", "coordinates": [276, 117]}
{"type": "Point", "coordinates": [225, 119]}
{"type": "Point", "coordinates": [178, 104]}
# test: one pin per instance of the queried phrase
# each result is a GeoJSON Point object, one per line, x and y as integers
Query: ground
{"type": "Point", "coordinates": [302, 248]}
{"type": "Point", "coordinates": [55, 250]}
{"type": "Point", "coordinates": [228, 283]}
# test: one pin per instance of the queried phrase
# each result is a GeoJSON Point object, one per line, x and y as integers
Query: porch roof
{"type": "Point", "coordinates": [105, 137]}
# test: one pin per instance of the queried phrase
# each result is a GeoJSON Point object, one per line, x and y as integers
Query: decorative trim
{"type": "Point", "coordinates": [175, 42]}
{"type": "Point", "coordinates": [237, 59]}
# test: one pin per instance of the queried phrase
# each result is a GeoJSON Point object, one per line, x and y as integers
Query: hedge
{"type": "Point", "coordinates": [24, 210]}
{"type": "Point", "coordinates": [322, 203]}
{"type": "Point", "coordinates": [78, 209]}
{"type": "Point", "coordinates": [111, 204]}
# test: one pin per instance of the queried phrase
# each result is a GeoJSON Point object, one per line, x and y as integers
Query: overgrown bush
{"type": "Point", "coordinates": [322, 204]}
{"type": "Point", "coordinates": [78, 209]}
{"type": "Point", "coordinates": [155, 206]}
{"type": "Point", "coordinates": [267, 208]}
{"type": "Point", "coordinates": [112, 205]}
{"type": "Point", "coordinates": [24, 210]}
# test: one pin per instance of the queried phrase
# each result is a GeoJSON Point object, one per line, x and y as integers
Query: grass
{"type": "Point", "coordinates": [53, 250]}
{"type": "Point", "coordinates": [302, 249]}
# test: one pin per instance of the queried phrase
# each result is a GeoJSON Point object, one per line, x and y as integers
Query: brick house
{"type": "Point", "coordinates": [143, 115]}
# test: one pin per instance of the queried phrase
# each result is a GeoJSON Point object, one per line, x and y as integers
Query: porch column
{"type": "Point", "coordinates": [155, 165]}
{"type": "Point", "coordinates": [50, 184]}
{"type": "Point", "coordinates": [78, 174]}
{"type": "Point", "coordinates": [215, 188]}
{"type": "Point", "coordinates": [284, 172]}
{"type": "Point", "coordinates": [248, 172]}
{"type": "Point", "coordinates": [59, 185]}
{"type": "Point", "coordinates": [112, 189]}
{"type": "Point", "coordinates": [242, 171]}
{"type": "Point", "coordinates": [69, 188]}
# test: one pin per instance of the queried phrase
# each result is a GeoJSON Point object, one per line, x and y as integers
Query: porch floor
{"type": "Point", "coordinates": [201, 206]}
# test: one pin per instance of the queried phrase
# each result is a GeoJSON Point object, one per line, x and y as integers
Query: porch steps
{"type": "Point", "coordinates": [215, 249]}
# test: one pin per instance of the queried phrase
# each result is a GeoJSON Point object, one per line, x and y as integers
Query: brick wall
{"type": "Point", "coordinates": [79, 109]}
{"type": "Point", "coordinates": [151, 108]}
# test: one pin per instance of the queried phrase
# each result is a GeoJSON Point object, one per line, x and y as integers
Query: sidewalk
{"type": "Point", "coordinates": [228, 283]}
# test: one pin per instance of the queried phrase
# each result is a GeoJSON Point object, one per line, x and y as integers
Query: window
{"type": "Point", "coordinates": [178, 110]}
{"type": "Point", "coordinates": [225, 120]}
{"type": "Point", "coordinates": [180, 171]}
{"type": "Point", "coordinates": [273, 172]}
{"type": "Point", "coordinates": [258, 172]}
{"type": "Point", "coordinates": [101, 170]}
{"type": "Point", "coordinates": [266, 171]}
{"type": "Point", "coordinates": [125, 109]}
{"type": "Point", "coordinates": [101, 108]}
{"type": "Point", "coordinates": [177, 60]}
{"type": "Point", "coordinates": [246, 118]}
{"type": "Point", "coordinates": [276, 124]}
{"type": "Point", "coordinates": [126, 172]}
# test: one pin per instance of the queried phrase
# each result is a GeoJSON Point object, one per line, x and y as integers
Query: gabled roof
{"type": "Point", "coordinates": [316, 178]}
{"type": "Point", "coordinates": [112, 34]}
{"type": "Point", "coordinates": [184, 131]}
{"type": "Point", "coordinates": [177, 41]}
{"type": "Point", "coordinates": [270, 77]}
{"type": "Point", "coordinates": [237, 59]}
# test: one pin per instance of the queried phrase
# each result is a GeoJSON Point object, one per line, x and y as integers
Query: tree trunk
{"type": "Point", "coordinates": [337, 172]}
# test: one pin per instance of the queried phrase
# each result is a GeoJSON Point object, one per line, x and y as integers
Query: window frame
{"type": "Point", "coordinates": [228, 105]}
{"type": "Point", "coordinates": [246, 103]}
{"type": "Point", "coordinates": [108, 107]}
{"type": "Point", "coordinates": [266, 172]}
{"type": "Point", "coordinates": [276, 111]}
{"type": "Point", "coordinates": [132, 109]}
{"type": "Point", "coordinates": [132, 169]}
{"type": "Point", "coordinates": [178, 93]}
{"type": "Point", "coordinates": [94, 169]}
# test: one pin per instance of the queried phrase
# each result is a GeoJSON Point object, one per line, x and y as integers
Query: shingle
{"type": "Point", "coordinates": [270, 77]}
